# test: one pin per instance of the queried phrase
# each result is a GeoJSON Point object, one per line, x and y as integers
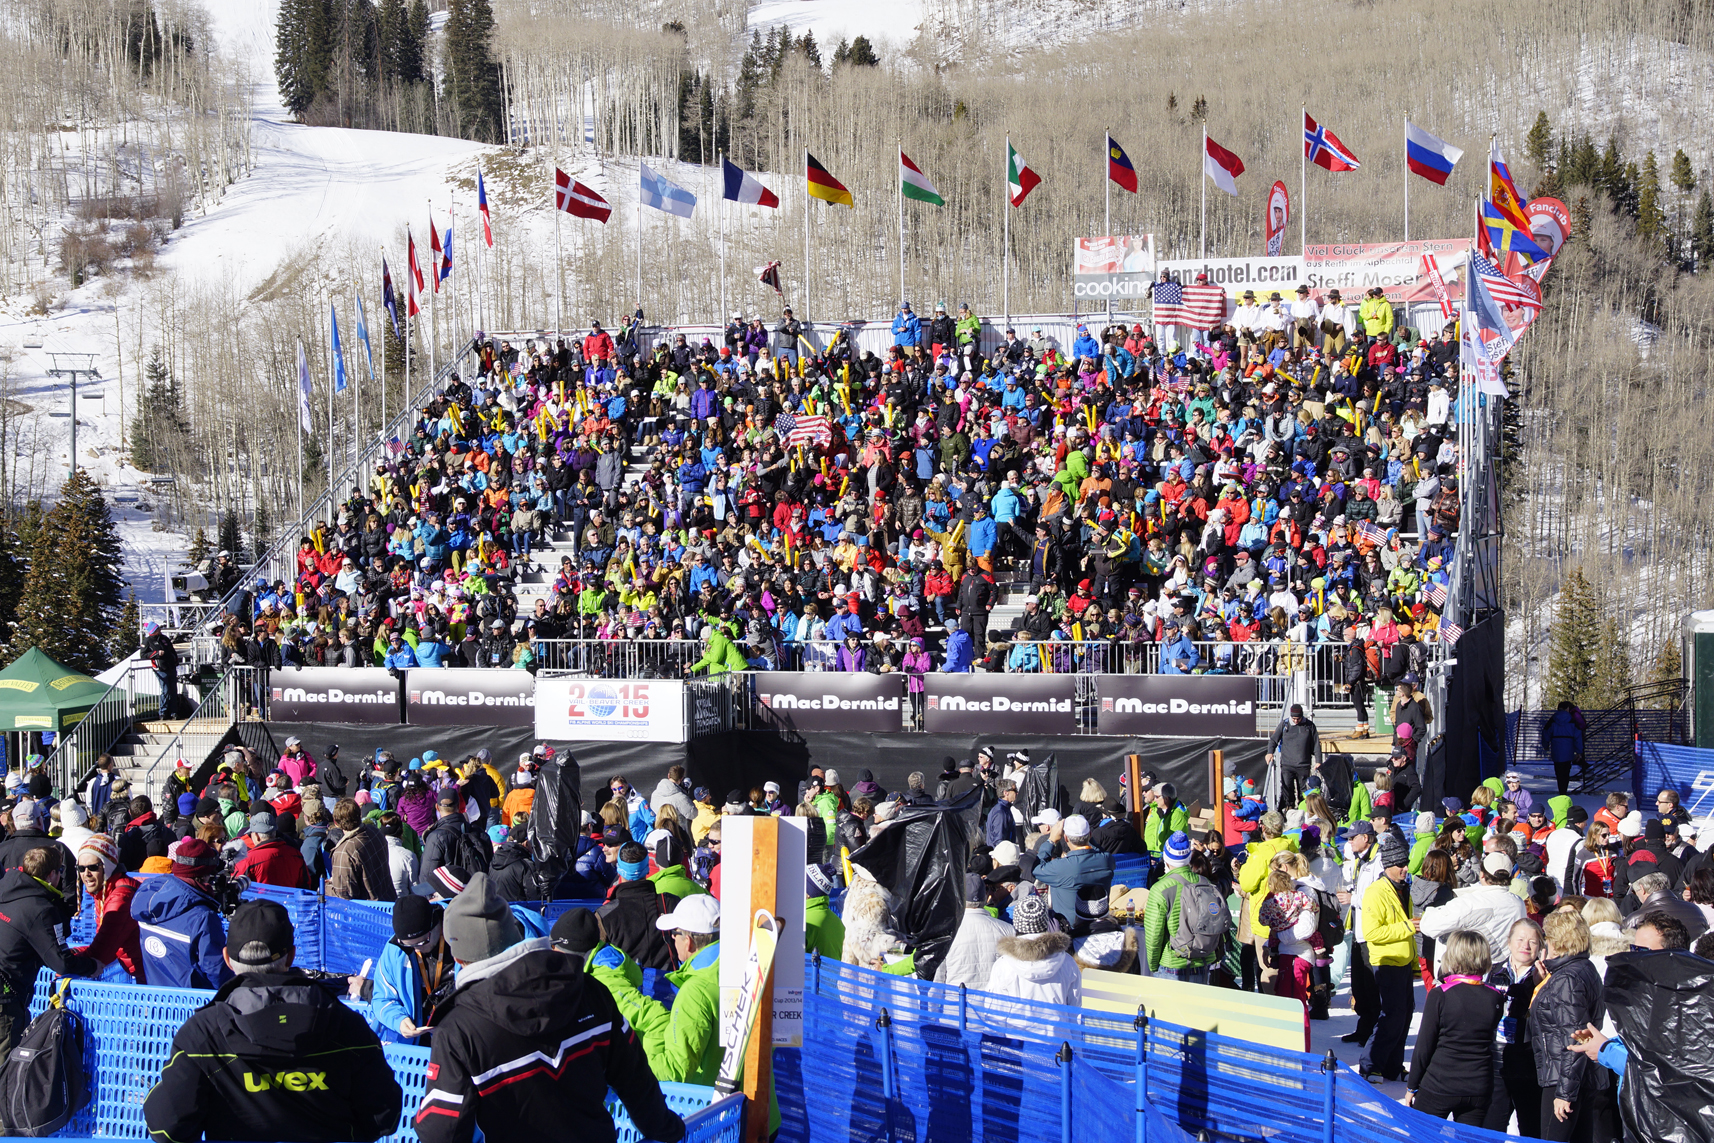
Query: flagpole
{"type": "Point", "coordinates": [639, 237]}
{"type": "Point", "coordinates": [357, 392]}
{"type": "Point", "coordinates": [1202, 248]}
{"type": "Point", "coordinates": [1006, 237]}
{"type": "Point", "coordinates": [332, 367]}
{"type": "Point", "coordinates": [721, 206]}
{"type": "Point", "coordinates": [803, 301]}
{"type": "Point", "coordinates": [434, 291]}
{"type": "Point", "coordinates": [901, 149]}
{"type": "Point", "coordinates": [1107, 189]}
{"type": "Point", "coordinates": [299, 426]}
{"type": "Point", "coordinates": [1302, 187]}
{"type": "Point", "coordinates": [559, 263]}
{"type": "Point", "coordinates": [480, 242]}
{"type": "Point", "coordinates": [1407, 176]}
{"type": "Point", "coordinates": [384, 360]}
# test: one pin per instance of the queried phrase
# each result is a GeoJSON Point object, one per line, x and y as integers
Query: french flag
{"type": "Point", "coordinates": [742, 186]}
{"type": "Point", "coordinates": [1429, 157]}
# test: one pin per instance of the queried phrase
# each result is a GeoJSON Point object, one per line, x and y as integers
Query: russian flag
{"type": "Point", "coordinates": [1429, 157]}
{"type": "Point", "coordinates": [742, 186]}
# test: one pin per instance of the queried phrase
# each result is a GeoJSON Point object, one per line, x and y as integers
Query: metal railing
{"type": "Point", "coordinates": [136, 694]}
{"type": "Point", "coordinates": [221, 706]}
{"type": "Point", "coordinates": [177, 616]}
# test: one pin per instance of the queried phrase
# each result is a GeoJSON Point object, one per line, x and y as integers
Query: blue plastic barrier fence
{"type": "Point", "coordinates": [353, 932]}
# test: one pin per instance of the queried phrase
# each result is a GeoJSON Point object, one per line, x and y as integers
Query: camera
{"type": "Point", "coordinates": [227, 891]}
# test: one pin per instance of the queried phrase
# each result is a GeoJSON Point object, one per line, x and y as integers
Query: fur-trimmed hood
{"type": "Point", "coordinates": [1033, 949]}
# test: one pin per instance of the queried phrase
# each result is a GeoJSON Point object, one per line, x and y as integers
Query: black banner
{"type": "Point", "coordinates": [1184, 706]}
{"type": "Point", "coordinates": [334, 694]}
{"type": "Point", "coordinates": [828, 700]}
{"type": "Point", "coordinates": [999, 704]}
{"type": "Point", "coordinates": [469, 697]}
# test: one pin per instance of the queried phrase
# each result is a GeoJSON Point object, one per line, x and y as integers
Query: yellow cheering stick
{"type": "Point", "coordinates": [843, 485]}
{"type": "Point", "coordinates": [823, 460]}
{"type": "Point", "coordinates": [1089, 413]}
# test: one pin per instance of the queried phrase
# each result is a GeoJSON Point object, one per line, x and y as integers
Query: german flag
{"type": "Point", "coordinates": [824, 186]}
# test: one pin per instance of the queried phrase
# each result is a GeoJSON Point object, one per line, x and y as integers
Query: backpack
{"type": "Point", "coordinates": [42, 1084]}
{"type": "Point", "coordinates": [470, 853]}
{"type": "Point", "coordinates": [1203, 921]}
{"type": "Point", "coordinates": [1330, 926]}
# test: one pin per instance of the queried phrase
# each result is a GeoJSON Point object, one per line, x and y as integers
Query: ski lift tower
{"type": "Point", "coordinates": [74, 365]}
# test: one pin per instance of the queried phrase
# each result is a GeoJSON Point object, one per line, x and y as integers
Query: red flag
{"type": "Point", "coordinates": [434, 248]}
{"type": "Point", "coordinates": [1323, 148]}
{"type": "Point", "coordinates": [414, 279]}
{"type": "Point", "coordinates": [573, 197]}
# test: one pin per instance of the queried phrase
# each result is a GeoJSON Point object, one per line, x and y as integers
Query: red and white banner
{"type": "Point", "coordinates": [1354, 267]}
{"type": "Point", "coordinates": [1431, 268]}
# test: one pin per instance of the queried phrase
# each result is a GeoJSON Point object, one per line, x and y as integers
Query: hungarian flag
{"type": "Point", "coordinates": [414, 276]}
{"type": "Point", "coordinates": [573, 197]}
{"type": "Point", "coordinates": [1020, 180]}
{"type": "Point", "coordinates": [1323, 148]}
{"type": "Point", "coordinates": [1221, 165]}
{"type": "Point", "coordinates": [913, 184]}
{"type": "Point", "coordinates": [482, 208]}
{"type": "Point", "coordinates": [1119, 167]}
{"type": "Point", "coordinates": [439, 254]}
{"type": "Point", "coordinates": [824, 186]}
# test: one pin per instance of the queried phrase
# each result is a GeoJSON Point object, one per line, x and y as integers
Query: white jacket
{"type": "Point", "coordinates": [1487, 909]}
{"type": "Point", "coordinates": [970, 958]}
{"type": "Point", "coordinates": [403, 865]}
{"type": "Point", "coordinates": [1295, 941]}
{"type": "Point", "coordinates": [1037, 969]}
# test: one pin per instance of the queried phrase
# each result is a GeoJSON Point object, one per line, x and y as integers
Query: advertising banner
{"type": "Point", "coordinates": [467, 697]}
{"type": "Point", "coordinates": [828, 700]}
{"type": "Point", "coordinates": [333, 694]}
{"type": "Point", "coordinates": [738, 904]}
{"type": "Point", "coordinates": [1113, 267]}
{"type": "Point", "coordinates": [999, 704]}
{"type": "Point", "coordinates": [1276, 216]}
{"type": "Point", "coordinates": [1396, 267]}
{"type": "Point", "coordinates": [569, 707]}
{"type": "Point", "coordinates": [1186, 706]}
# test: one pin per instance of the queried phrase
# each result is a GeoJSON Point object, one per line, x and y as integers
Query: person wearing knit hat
{"type": "Point", "coordinates": [272, 1030]}
{"type": "Point", "coordinates": [1390, 934]}
{"type": "Point", "coordinates": [1176, 853]}
{"type": "Point", "coordinates": [1034, 963]}
{"type": "Point", "coordinates": [414, 975]}
{"type": "Point", "coordinates": [822, 927]}
{"type": "Point", "coordinates": [74, 824]}
{"type": "Point", "coordinates": [1083, 869]}
{"type": "Point", "coordinates": [179, 921]}
{"type": "Point", "coordinates": [478, 925]}
{"type": "Point", "coordinates": [104, 879]}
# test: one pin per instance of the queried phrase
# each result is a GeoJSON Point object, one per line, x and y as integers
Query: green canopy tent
{"type": "Point", "coordinates": [38, 694]}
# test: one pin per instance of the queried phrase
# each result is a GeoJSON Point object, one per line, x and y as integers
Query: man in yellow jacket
{"type": "Point", "coordinates": [1376, 313]}
{"type": "Point", "coordinates": [1252, 879]}
{"type": "Point", "coordinates": [1386, 925]}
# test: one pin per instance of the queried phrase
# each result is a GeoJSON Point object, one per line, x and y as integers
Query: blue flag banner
{"type": "Point", "coordinates": [363, 335]}
{"type": "Point", "coordinates": [338, 354]}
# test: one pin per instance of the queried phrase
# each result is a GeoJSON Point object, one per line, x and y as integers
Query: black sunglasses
{"type": "Point", "coordinates": [88, 868]}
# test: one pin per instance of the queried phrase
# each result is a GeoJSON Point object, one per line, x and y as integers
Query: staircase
{"type": "Point", "coordinates": [148, 750]}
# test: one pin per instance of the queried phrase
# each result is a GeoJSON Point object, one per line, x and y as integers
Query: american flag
{"type": "Point", "coordinates": [802, 429]}
{"type": "Point", "coordinates": [1370, 533]}
{"type": "Point", "coordinates": [1200, 307]}
{"type": "Point", "coordinates": [1506, 291]}
{"type": "Point", "coordinates": [1449, 633]}
{"type": "Point", "coordinates": [1435, 593]}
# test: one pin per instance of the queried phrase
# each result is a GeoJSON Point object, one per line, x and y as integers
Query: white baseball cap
{"type": "Point", "coordinates": [696, 914]}
{"type": "Point", "coordinates": [1047, 817]}
{"type": "Point", "coordinates": [1076, 826]}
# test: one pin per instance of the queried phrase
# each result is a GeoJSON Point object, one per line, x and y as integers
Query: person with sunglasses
{"type": "Point", "coordinates": [102, 876]}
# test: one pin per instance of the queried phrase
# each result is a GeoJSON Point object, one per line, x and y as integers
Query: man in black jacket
{"type": "Point", "coordinates": [633, 905]}
{"type": "Point", "coordinates": [1296, 746]}
{"type": "Point", "coordinates": [274, 1055]}
{"type": "Point", "coordinates": [32, 907]}
{"type": "Point", "coordinates": [453, 841]}
{"type": "Point", "coordinates": [27, 834]}
{"type": "Point", "coordinates": [530, 1045]}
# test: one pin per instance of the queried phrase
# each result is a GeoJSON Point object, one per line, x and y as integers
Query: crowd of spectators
{"type": "Point", "coordinates": [1202, 507]}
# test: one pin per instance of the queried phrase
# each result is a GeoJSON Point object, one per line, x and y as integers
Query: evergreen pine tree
{"type": "Point", "coordinates": [1668, 666]}
{"type": "Point", "coordinates": [1576, 637]}
{"type": "Point", "coordinates": [1581, 220]}
{"type": "Point", "coordinates": [472, 76]}
{"type": "Point", "coordinates": [807, 47]}
{"type": "Point", "coordinates": [777, 53]}
{"type": "Point", "coordinates": [1198, 110]}
{"type": "Point", "coordinates": [126, 637]}
{"type": "Point", "coordinates": [199, 549]}
{"type": "Point", "coordinates": [1683, 177]}
{"type": "Point", "coordinates": [1626, 200]}
{"type": "Point", "coordinates": [261, 531]}
{"type": "Point", "coordinates": [842, 52]}
{"type": "Point", "coordinates": [414, 57]}
{"type": "Point", "coordinates": [303, 52]}
{"type": "Point", "coordinates": [1538, 144]}
{"type": "Point", "coordinates": [863, 53]}
{"type": "Point", "coordinates": [1612, 668]}
{"type": "Point", "coordinates": [83, 509]}
{"type": "Point", "coordinates": [1610, 175]}
{"type": "Point", "coordinates": [1585, 167]}
{"type": "Point", "coordinates": [231, 539]}
{"type": "Point", "coordinates": [1702, 231]}
{"type": "Point", "coordinates": [1651, 214]}
{"type": "Point", "coordinates": [750, 75]}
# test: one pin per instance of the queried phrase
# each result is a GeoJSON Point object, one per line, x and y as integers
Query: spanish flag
{"type": "Point", "coordinates": [824, 186]}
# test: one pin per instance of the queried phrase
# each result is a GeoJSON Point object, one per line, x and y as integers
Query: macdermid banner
{"type": "Point", "coordinates": [1185, 706]}
{"type": "Point", "coordinates": [466, 697]}
{"type": "Point", "coordinates": [365, 695]}
{"type": "Point", "coordinates": [828, 700]}
{"type": "Point", "coordinates": [999, 704]}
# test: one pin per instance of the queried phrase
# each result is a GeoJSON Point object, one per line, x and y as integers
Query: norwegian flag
{"type": "Point", "coordinates": [1200, 307]}
{"type": "Point", "coordinates": [1435, 592]}
{"type": "Point", "coordinates": [1323, 148]}
{"type": "Point", "coordinates": [1371, 533]}
{"type": "Point", "coordinates": [1449, 633]}
{"type": "Point", "coordinates": [803, 429]}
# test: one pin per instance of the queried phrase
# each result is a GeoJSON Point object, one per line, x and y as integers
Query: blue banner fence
{"type": "Point", "coordinates": [884, 1058]}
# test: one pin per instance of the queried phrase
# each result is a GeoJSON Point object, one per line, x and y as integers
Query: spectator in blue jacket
{"type": "Point", "coordinates": [1178, 653]}
{"type": "Point", "coordinates": [414, 974]}
{"type": "Point", "coordinates": [983, 534]}
{"type": "Point", "coordinates": [1081, 871]}
{"type": "Point", "coordinates": [1002, 824]}
{"type": "Point", "coordinates": [399, 653]}
{"type": "Point", "coordinates": [960, 652]}
{"type": "Point", "coordinates": [907, 327]}
{"type": "Point", "coordinates": [179, 921]}
{"type": "Point", "coordinates": [1085, 346]}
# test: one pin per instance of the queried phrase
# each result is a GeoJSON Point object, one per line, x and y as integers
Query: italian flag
{"type": "Point", "coordinates": [1019, 178]}
{"type": "Point", "coordinates": [914, 184]}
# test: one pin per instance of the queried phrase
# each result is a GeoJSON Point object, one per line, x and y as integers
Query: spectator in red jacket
{"type": "Point", "coordinates": [108, 885]}
{"type": "Point", "coordinates": [272, 861]}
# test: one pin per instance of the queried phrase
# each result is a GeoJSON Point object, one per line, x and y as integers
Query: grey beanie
{"type": "Point", "coordinates": [478, 924]}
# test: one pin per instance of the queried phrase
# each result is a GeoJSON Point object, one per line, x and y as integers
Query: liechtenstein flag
{"type": "Point", "coordinates": [1119, 167]}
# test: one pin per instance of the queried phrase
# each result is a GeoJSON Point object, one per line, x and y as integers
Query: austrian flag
{"type": "Point", "coordinates": [573, 197]}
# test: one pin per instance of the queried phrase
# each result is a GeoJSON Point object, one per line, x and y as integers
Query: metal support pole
{"type": "Point", "coordinates": [1330, 1069]}
{"type": "Point", "coordinates": [1063, 1058]}
{"type": "Point", "coordinates": [884, 1022]}
{"type": "Point", "coordinates": [1142, 1064]}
